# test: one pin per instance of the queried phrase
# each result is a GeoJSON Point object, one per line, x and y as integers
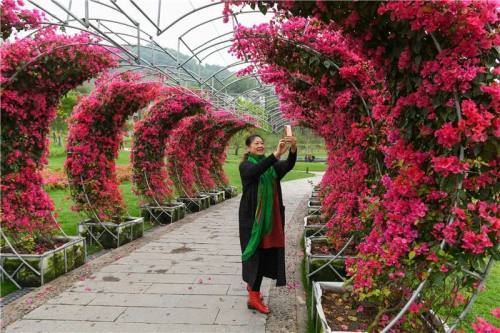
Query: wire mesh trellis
{"type": "Point", "coordinates": [109, 234]}
{"type": "Point", "coordinates": [129, 27]}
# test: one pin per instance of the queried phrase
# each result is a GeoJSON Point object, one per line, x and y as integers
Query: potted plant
{"type": "Point", "coordinates": [325, 257]}
{"type": "Point", "coordinates": [95, 133]}
{"type": "Point", "coordinates": [36, 72]}
{"type": "Point", "coordinates": [151, 134]}
{"type": "Point", "coordinates": [314, 225]}
{"type": "Point", "coordinates": [336, 310]}
{"type": "Point", "coordinates": [424, 137]}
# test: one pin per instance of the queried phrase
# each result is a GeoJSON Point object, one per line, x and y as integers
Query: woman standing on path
{"type": "Point", "coordinates": [262, 215]}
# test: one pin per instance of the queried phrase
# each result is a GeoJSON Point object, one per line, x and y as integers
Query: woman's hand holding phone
{"type": "Point", "coordinates": [293, 143]}
{"type": "Point", "coordinates": [280, 149]}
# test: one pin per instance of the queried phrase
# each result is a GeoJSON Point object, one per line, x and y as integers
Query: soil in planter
{"type": "Point", "coordinates": [316, 220]}
{"type": "Point", "coordinates": [341, 311]}
{"type": "Point", "coordinates": [345, 313]}
{"type": "Point", "coordinates": [324, 247]}
{"type": "Point", "coordinates": [42, 246]}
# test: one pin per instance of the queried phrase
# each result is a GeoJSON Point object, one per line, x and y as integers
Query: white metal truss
{"type": "Point", "coordinates": [134, 31]}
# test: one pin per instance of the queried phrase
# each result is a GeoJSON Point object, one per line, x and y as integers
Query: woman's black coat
{"type": "Point", "coordinates": [272, 261]}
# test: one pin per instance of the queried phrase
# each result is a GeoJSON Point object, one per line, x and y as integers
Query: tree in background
{"type": "Point", "coordinates": [59, 126]}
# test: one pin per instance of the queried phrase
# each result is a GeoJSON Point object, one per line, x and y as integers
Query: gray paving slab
{"type": "Point", "coordinates": [111, 287]}
{"type": "Point", "coordinates": [59, 326]}
{"type": "Point", "coordinates": [134, 300]}
{"type": "Point", "coordinates": [169, 315]}
{"type": "Point", "coordinates": [185, 280]}
{"type": "Point", "coordinates": [188, 289]}
{"type": "Point", "coordinates": [73, 298]}
{"type": "Point", "coordinates": [76, 312]}
{"type": "Point", "coordinates": [145, 277]}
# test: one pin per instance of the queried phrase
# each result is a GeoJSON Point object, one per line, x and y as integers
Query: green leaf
{"type": "Point", "coordinates": [262, 8]}
{"type": "Point", "coordinates": [411, 255]}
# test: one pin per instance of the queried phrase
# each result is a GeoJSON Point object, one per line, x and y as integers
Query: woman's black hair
{"type": "Point", "coordinates": [248, 142]}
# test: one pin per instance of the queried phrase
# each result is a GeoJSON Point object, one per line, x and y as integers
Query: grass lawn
{"type": "Point", "coordinates": [487, 300]}
{"type": "Point", "coordinates": [6, 288]}
{"type": "Point", "coordinates": [70, 219]}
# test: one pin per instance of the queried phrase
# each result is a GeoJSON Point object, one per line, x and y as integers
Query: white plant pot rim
{"type": "Point", "coordinates": [312, 226]}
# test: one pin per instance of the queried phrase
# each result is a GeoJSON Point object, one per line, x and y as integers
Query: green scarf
{"type": "Point", "coordinates": [263, 222]}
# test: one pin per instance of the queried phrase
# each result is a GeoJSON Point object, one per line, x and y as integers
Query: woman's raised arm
{"type": "Point", "coordinates": [251, 170]}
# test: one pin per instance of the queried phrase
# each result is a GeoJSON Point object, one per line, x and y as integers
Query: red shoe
{"type": "Point", "coordinates": [254, 302]}
{"type": "Point", "coordinates": [250, 289]}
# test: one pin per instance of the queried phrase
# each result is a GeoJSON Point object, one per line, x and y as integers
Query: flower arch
{"type": "Point", "coordinates": [230, 126]}
{"type": "Point", "coordinates": [432, 211]}
{"type": "Point", "coordinates": [94, 138]}
{"type": "Point", "coordinates": [35, 73]}
{"type": "Point", "coordinates": [198, 145]}
{"type": "Point", "coordinates": [150, 139]}
{"type": "Point", "coordinates": [212, 146]}
{"type": "Point", "coordinates": [324, 82]}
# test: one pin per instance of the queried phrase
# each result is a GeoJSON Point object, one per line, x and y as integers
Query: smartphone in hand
{"type": "Point", "coordinates": [288, 130]}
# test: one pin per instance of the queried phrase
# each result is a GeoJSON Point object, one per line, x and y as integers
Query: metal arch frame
{"type": "Point", "coordinates": [120, 39]}
{"type": "Point", "coordinates": [206, 48]}
{"type": "Point", "coordinates": [266, 92]}
{"type": "Point", "coordinates": [214, 19]}
{"type": "Point", "coordinates": [247, 77]}
{"type": "Point", "coordinates": [212, 39]}
{"type": "Point", "coordinates": [187, 14]}
{"type": "Point", "coordinates": [236, 63]}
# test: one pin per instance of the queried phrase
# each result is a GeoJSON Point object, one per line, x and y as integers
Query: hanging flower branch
{"type": "Point", "coordinates": [95, 133]}
{"type": "Point", "coordinates": [35, 73]}
{"type": "Point", "coordinates": [13, 17]}
{"type": "Point", "coordinates": [150, 139]}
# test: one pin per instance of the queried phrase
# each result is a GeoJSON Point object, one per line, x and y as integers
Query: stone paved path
{"type": "Point", "coordinates": [188, 280]}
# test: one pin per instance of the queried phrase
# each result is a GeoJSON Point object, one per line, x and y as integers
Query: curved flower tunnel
{"type": "Point", "coordinates": [196, 149]}
{"type": "Point", "coordinates": [404, 94]}
{"type": "Point", "coordinates": [36, 72]}
{"type": "Point", "coordinates": [95, 133]}
{"type": "Point", "coordinates": [406, 98]}
{"type": "Point", "coordinates": [150, 141]}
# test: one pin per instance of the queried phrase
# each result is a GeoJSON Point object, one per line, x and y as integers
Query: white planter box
{"type": "Point", "coordinates": [112, 235]}
{"type": "Point", "coordinates": [50, 264]}
{"type": "Point", "coordinates": [320, 324]}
